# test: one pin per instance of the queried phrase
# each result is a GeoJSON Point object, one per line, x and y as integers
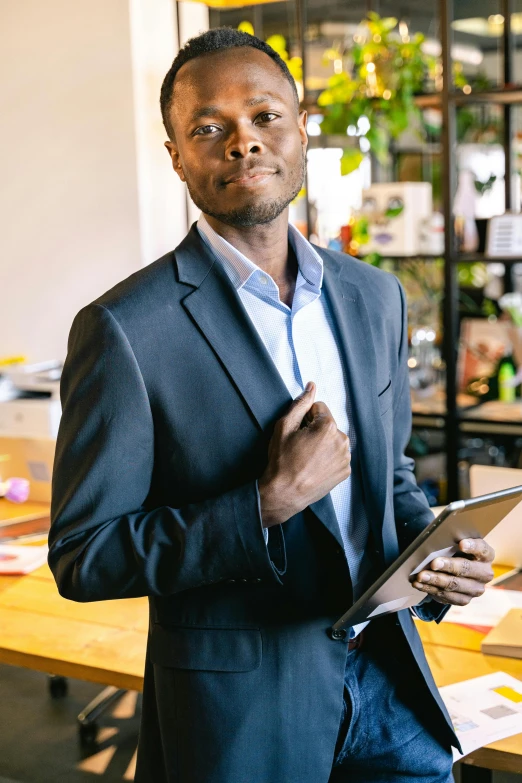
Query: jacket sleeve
{"type": "Point", "coordinates": [103, 543]}
{"type": "Point", "coordinates": [412, 511]}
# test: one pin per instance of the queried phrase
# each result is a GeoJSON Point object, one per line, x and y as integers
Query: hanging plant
{"type": "Point", "coordinates": [376, 79]}
{"type": "Point", "coordinates": [278, 43]}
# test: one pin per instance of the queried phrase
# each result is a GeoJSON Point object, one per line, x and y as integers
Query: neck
{"type": "Point", "coordinates": [266, 245]}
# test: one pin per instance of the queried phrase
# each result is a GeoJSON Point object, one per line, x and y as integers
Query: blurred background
{"type": "Point", "coordinates": [407, 170]}
{"type": "Point", "coordinates": [414, 165]}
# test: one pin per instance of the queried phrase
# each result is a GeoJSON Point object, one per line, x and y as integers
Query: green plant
{"type": "Point", "coordinates": [484, 187]}
{"type": "Point", "coordinates": [381, 74]}
{"type": "Point", "coordinates": [278, 42]}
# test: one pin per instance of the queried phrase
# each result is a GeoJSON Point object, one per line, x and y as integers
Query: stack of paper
{"type": "Point", "coordinates": [21, 559]}
{"type": "Point", "coordinates": [506, 637]}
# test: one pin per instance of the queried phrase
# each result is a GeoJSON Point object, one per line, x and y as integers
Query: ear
{"type": "Point", "coordinates": [303, 116]}
{"type": "Point", "coordinates": [174, 156]}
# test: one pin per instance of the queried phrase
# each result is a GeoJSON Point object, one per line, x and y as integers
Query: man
{"type": "Point", "coordinates": [185, 472]}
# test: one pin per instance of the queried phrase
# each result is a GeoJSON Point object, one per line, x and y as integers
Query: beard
{"type": "Point", "coordinates": [255, 213]}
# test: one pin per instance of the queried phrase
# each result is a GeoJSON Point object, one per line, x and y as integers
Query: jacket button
{"type": "Point", "coordinates": [230, 581]}
{"type": "Point", "coordinates": [256, 581]}
{"type": "Point", "coordinates": [243, 580]}
{"type": "Point", "coordinates": [338, 634]}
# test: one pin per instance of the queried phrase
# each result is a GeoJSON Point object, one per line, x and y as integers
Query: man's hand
{"type": "Point", "coordinates": [456, 580]}
{"type": "Point", "coordinates": [307, 457]}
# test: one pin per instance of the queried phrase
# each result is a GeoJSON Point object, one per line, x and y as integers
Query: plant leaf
{"type": "Point", "coordinates": [350, 161]}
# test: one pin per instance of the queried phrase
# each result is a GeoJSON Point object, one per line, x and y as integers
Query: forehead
{"type": "Point", "coordinates": [222, 78]}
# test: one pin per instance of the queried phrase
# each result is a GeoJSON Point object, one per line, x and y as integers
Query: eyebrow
{"type": "Point", "coordinates": [204, 111]}
{"type": "Point", "coordinates": [212, 111]}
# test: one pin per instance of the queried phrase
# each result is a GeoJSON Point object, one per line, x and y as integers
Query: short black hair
{"type": "Point", "coordinates": [217, 40]}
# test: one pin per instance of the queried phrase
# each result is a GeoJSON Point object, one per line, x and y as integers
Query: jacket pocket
{"type": "Point", "coordinates": [385, 398]}
{"type": "Point", "coordinates": [206, 649]}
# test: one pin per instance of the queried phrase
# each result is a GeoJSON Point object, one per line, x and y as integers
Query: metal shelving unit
{"type": "Point", "coordinates": [450, 100]}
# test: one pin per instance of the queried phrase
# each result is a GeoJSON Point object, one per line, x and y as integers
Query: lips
{"type": "Point", "coordinates": [250, 177]}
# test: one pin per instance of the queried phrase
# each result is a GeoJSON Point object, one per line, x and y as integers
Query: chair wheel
{"type": "Point", "coordinates": [58, 687]}
{"type": "Point", "coordinates": [88, 733]}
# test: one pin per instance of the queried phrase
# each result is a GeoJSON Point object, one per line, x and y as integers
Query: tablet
{"type": "Point", "coordinates": [473, 518]}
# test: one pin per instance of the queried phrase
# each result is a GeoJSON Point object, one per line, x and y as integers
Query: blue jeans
{"type": "Point", "coordinates": [384, 733]}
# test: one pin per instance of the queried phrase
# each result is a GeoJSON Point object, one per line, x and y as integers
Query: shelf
{"type": "Point", "coordinates": [502, 95]}
{"type": "Point", "coordinates": [417, 257]}
{"type": "Point", "coordinates": [423, 421]}
{"type": "Point", "coordinates": [464, 258]}
{"type": "Point", "coordinates": [475, 258]}
{"type": "Point", "coordinates": [422, 148]}
{"type": "Point", "coordinates": [329, 140]}
{"type": "Point", "coordinates": [493, 417]}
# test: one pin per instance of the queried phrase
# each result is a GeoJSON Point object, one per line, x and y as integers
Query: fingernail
{"type": "Point", "coordinates": [438, 563]}
{"type": "Point", "coordinates": [425, 578]}
{"type": "Point", "coordinates": [308, 386]}
{"type": "Point", "coordinates": [465, 545]}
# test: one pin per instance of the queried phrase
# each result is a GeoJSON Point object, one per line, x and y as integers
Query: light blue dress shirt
{"type": "Point", "coordinates": [302, 343]}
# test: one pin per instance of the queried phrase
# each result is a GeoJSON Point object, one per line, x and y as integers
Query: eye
{"type": "Point", "coordinates": [267, 116]}
{"type": "Point", "coordinates": [369, 205]}
{"type": "Point", "coordinates": [206, 130]}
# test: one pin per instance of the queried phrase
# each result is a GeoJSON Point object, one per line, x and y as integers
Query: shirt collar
{"type": "Point", "coordinates": [240, 269]}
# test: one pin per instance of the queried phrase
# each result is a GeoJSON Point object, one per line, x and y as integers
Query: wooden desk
{"type": "Point", "coordinates": [105, 643]}
{"type": "Point", "coordinates": [17, 519]}
{"type": "Point", "coordinates": [453, 652]}
{"type": "Point", "coordinates": [102, 642]}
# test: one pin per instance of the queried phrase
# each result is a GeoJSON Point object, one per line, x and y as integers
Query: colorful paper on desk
{"type": "Point", "coordinates": [484, 710]}
{"type": "Point", "coordinates": [21, 559]}
{"type": "Point", "coordinates": [487, 610]}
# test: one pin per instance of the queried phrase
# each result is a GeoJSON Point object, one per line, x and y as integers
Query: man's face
{"type": "Point", "coordinates": [240, 141]}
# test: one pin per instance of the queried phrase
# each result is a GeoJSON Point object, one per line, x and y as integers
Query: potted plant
{"type": "Point", "coordinates": [380, 75]}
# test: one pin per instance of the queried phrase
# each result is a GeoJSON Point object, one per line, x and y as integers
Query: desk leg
{"type": "Point", "coordinates": [472, 774]}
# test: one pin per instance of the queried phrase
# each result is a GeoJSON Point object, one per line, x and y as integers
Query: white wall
{"type": "Point", "coordinates": [193, 20]}
{"type": "Point", "coordinates": [162, 201]}
{"type": "Point", "coordinates": [72, 221]}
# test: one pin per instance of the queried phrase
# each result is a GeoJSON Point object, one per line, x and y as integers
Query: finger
{"type": "Point", "coordinates": [449, 583]}
{"type": "Point", "coordinates": [444, 596]}
{"type": "Point", "coordinates": [320, 410]}
{"type": "Point", "coordinates": [461, 566]}
{"type": "Point", "coordinates": [299, 408]}
{"type": "Point", "coordinates": [479, 548]}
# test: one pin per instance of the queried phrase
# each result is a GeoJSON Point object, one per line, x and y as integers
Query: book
{"type": "Point", "coordinates": [505, 638]}
{"type": "Point", "coordinates": [17, 560]}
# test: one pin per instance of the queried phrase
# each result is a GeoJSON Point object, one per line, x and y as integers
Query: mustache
{"type": "Point", "coordinates": [251, 170]}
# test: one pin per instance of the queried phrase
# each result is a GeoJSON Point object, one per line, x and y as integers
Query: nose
{"type": "Point", "coordinates": [242, 142]}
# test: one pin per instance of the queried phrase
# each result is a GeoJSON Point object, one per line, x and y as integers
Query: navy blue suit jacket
{"type": "Point", "coordinates": [169, 399]}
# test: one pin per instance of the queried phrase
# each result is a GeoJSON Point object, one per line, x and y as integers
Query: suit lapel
{"type": "Point", "coordinates": [358, 350]}
{"type": "Point", "coordinates": [220, 315]}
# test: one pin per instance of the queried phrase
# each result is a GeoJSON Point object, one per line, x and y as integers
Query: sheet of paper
{"type": "Point", "coordinates": [21, 559]}
{"type": "Point", "coordinates": [484, 710]}
{"type": "Point", "coordinates": [487, 610]}
{"type": "Point", "coordinates": [448, 552]}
